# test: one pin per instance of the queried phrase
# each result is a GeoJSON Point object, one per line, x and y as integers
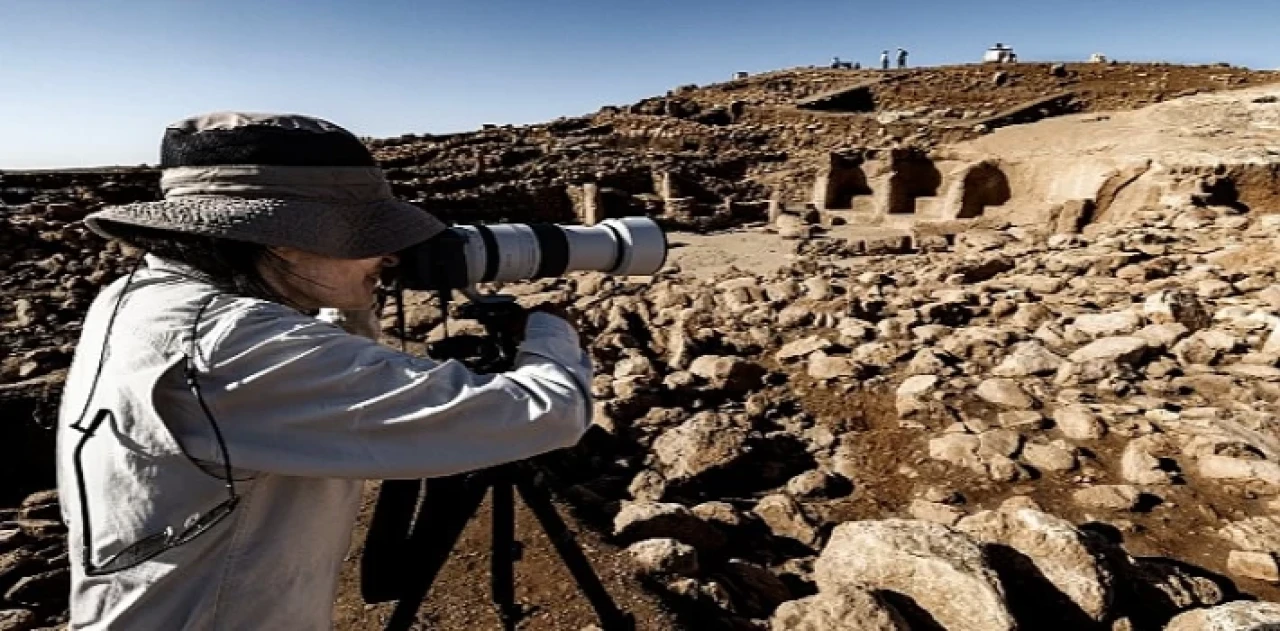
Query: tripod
{"type": "Point", "coordinates": [406, 548]}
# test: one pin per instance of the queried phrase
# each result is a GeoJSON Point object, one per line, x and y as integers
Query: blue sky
{"type": "Point", "coordinates": [94, 82]}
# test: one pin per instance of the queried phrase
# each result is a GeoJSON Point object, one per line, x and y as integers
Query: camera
{"type": "Point", "coordinates": [465, 255]}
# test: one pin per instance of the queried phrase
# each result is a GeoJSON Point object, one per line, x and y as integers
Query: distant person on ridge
{"type": "Point", "coordinates": [902, 58]}
{"type": "Point", "coordinates": [884, 60]}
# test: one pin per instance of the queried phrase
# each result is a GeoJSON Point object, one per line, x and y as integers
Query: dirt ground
{"type": "Point", "coordinates": [461, 600]}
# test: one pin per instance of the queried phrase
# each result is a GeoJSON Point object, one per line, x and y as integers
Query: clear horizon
{"type": "Point", "coordinates": [92, 84]}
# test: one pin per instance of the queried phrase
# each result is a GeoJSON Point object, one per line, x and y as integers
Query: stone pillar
{"type": "Point", "coordinates": [666, 188]}
{"type": "Point", "coordinates": [775, 209]}
{"type": "Point", "coordinates": [820, 185]}
{"type": "Point", "coordinates": [592, 210]}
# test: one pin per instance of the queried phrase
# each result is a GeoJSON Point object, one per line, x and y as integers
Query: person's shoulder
{"type": "Point", "coordinates": [241, 324]}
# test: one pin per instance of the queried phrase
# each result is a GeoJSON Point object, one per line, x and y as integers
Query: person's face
{"type": "Point", "coordinates": [312, 281]}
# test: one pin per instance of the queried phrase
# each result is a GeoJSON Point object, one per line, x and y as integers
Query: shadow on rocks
{"type": "Point", "coordinates": [916, 616]}
{"type": "Point", "coordinates": [1034, 601]}
{"type": "Point", "coordinates": [1150, 591]}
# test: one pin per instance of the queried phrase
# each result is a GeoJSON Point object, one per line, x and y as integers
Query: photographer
{"type": "Point", "coordinates": [214, 437]}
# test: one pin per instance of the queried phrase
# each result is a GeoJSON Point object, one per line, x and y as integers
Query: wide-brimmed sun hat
{"type": "Point", "coordinates": [277, 180]}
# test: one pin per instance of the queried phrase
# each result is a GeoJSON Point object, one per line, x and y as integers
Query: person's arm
{"type": "Point", "coordinates": [298, 396]}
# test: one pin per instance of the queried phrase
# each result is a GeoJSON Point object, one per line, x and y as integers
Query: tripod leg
{"type": "Point", "coordinates": [445, 512]}
{"type": "Point", "coordinates": [539, 503]}
{"type": "Point", "coordinates": [383, 561]}
{"type": "Point", "coordinates": [502, 549]}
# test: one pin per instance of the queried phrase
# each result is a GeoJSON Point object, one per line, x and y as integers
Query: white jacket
{"type": "Point", "coordinates": [307, 412]}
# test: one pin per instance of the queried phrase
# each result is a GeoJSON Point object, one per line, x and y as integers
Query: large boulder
{"type": "Point", "coordinates": [707, 442]}
{"type": "Point", "coordinates": [942, 571]}
{"type": "Point", "coordinates": [1050, 568]}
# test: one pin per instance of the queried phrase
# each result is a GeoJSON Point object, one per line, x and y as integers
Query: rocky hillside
{"type": "Point", "coordinates": [720, 151]}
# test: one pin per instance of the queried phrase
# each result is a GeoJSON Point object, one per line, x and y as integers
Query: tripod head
{"type": "Point", "coordinates": [503, 320]}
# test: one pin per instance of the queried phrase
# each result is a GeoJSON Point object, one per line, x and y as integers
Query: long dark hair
{"type": "Point", "coordinates": [229, 265]}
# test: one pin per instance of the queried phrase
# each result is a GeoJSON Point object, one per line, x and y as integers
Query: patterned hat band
{"type": "Point", "coordinates": [350, 185]}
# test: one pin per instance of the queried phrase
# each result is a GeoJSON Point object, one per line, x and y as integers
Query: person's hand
{"type": "Point", "coordinates": [567, 314]}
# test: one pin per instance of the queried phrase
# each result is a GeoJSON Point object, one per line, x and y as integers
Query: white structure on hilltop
{"type": "Point", "coordinates": [1000, 54]}
{"type": "Point", "coordinates": [1098, 58]}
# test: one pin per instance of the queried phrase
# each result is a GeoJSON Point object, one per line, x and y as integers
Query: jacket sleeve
{"type": "Point", "coordinates": [294, 395]}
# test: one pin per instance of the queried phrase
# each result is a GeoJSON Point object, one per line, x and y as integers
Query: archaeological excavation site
{"type": "Point", "coordinates": [966, 348]}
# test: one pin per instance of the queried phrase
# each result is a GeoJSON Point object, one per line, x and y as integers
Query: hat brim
{"type": "Point", "coordinates": [337, 229]}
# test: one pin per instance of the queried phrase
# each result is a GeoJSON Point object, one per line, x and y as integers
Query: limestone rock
{"type": "Point", "coordinates": [913, 394]}
{"type": "Point", "coordinates": [647, 485]}
{"type": "Point", "coordinates": [639, 520]}
{"type": "Point", "coordinates": [1255, 534]}
{"type": "Point", "coordinates": [1205, 347]}
{"type": "Point", "coordinates": [1256, 565]}
{"type": "Point", "coordinates": [1100, 325]}
{"type": "Point", "coordinates": [815, 484]}
{"type": "Point", "coordinates": [1005, 393]}
{"type": "Point", "coordinates": [728, 373]}
{"type": "Point", "coordinates": [847, 608]}
{"type": "Point", "coordinates": [999, 443]}
{"type": "Point", "coordinates": [785, 518]}
{"type": "Point", "coordinates": [825, 367]}
{"type": "Point", "coordinates": [1114, 497]}
{"type": "Point", "coordinates": [1079, 423]}
{"type": "Point", "coordinates": [1149, 460]}
{"type": "Point", "coordinates": [1029, 316]}
{"type": "Point", "coordinates": [1057, 550]}
{"type": "Point", "coordinates": [635, 366]}
{"type": "Point", "coordinates": [26, 312]}
{"type": "Point", "coordinates": [1163, 335]}
{"type": "Point", "coordinates": [1228, 468]}
{"type": "Point", "coordinates": [1049, 457]}
{"type": "Point", "coordinates": [1029, 358]}
{"type": "Point", "coordinates": [957, 449]}
{"type": "Point", "coordinates": [1233, 616]}
{"type": "Point", "coordinates": [707, 442]}
{"type": "Point", "coordinates": [943, 571]}
{"type": "Point", "coordinates": [935, 512]}
{"type": "Point", "coordinates": [803, 347]}
{"type": "Point", "coordinates": [721, 514]}
{"type": "Point", "coordinates": [1118, 350]}
{"type": "Point", "coordinates": [664, 556]}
